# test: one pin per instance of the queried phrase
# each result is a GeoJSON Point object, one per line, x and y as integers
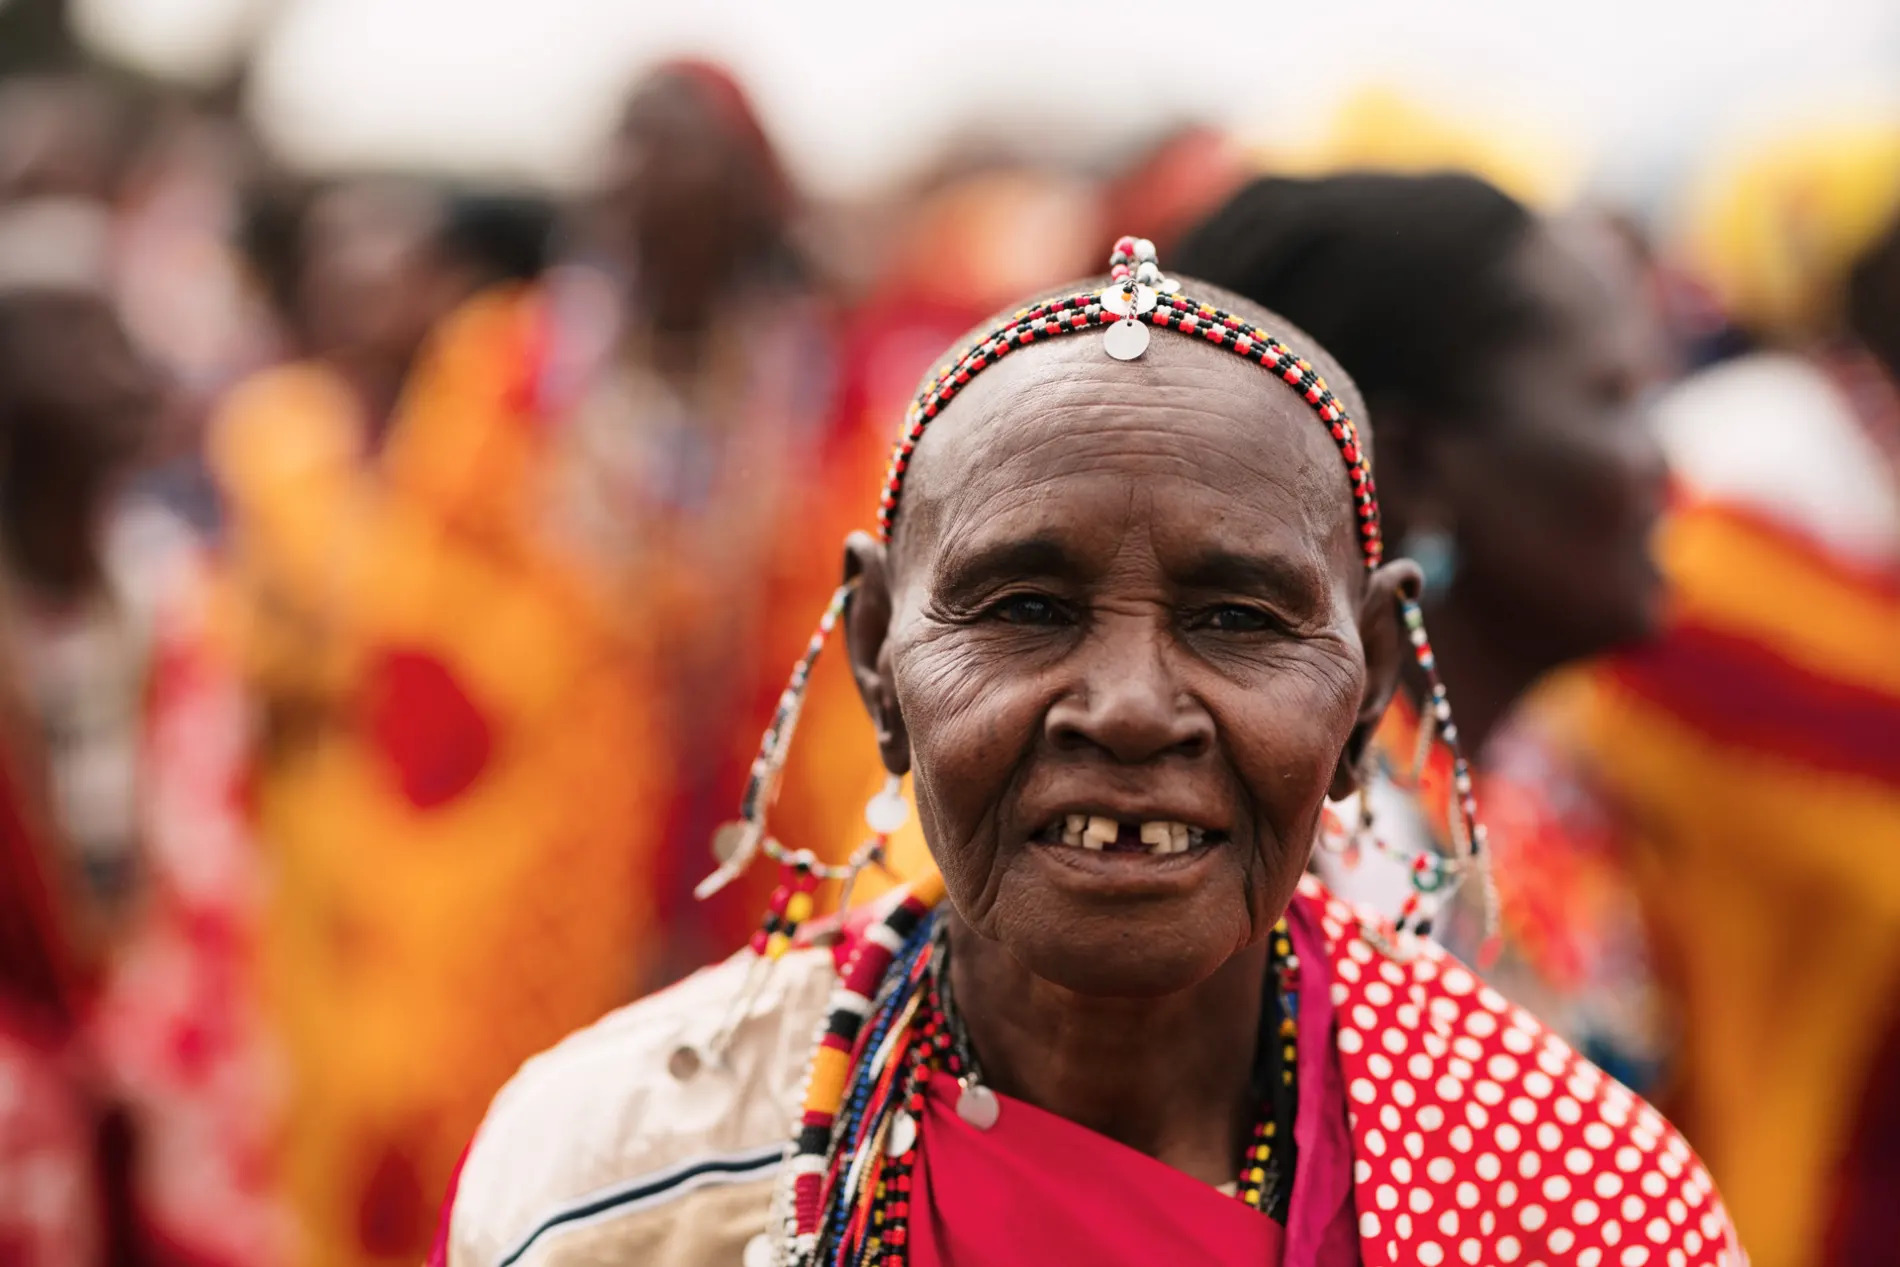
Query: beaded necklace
{"type": "Point", "coordinates": [847, 1202]}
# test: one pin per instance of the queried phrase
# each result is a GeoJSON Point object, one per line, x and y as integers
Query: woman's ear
{"type": "Point", "coordinates": [867, 626]}
{"type": "Point", "coordinates": [1383, 636]}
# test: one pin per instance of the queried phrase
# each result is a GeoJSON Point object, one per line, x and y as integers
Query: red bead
{"type": "Point", "coordinates": [1125, 245]}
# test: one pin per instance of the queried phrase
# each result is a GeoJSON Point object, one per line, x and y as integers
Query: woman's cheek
{"type": "Point", "coordinates": [968, 730]}
{"type": "Point", "coordinates": [1287, 742]}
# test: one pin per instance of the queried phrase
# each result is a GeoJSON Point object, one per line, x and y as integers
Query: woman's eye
{"type": "Point", "coordinates": [1026, 609]}
{"type": "Point", "coordinates": [1231, 618]}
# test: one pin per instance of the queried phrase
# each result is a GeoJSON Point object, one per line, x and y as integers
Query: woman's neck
{"type": "Point", "coordinates": [1171, 1077]}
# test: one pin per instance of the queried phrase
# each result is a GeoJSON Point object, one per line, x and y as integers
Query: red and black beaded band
{"type": "Point", "coordinates": [1076, 313]}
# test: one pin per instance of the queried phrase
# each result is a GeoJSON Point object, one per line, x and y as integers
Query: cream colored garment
{"type": "Point", "coordinates": [634, 1142]}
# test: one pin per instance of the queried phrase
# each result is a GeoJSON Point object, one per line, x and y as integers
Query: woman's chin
{"type": "Point", "coordinates": [1127, 962]}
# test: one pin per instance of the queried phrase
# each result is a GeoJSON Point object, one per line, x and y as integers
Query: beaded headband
{"type": "Point", "coordinates": [1136, 299]}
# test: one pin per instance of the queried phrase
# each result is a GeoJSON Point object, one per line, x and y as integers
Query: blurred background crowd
{"type": "Point", "coordinates": [417, 475]}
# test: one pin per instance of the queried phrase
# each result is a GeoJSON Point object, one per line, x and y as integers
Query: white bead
{"type": "Point", "coordinates": [888, 811]}
{"type": "Point", "coordinates": [903, 1136]}
{"type": "Point", "coordinates": [1144, 250]}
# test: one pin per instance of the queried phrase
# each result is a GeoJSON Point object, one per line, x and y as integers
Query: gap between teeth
{"type": "Point", "coordinates": [1161, 837]}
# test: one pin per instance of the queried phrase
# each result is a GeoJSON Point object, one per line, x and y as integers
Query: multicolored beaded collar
{"type": "Point", "coordinates": [844, 1197]}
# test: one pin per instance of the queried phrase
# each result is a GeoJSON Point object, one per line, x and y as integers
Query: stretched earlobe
{"type": "Point", "coordinates": [1383, 636]}
{"type": "Point", "coordinates": [867, 627]}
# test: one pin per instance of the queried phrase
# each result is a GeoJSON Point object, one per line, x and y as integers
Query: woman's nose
{"type": "Point", "coordinates": [1126, 700]}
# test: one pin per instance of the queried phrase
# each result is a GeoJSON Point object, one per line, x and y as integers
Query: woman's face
{"type": "Point", "coordinates": [1557, 488]}
{"type": "Point", "coordinates": [1128, 592]}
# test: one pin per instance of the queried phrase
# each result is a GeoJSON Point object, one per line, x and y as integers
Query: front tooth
{"type": "Point", "coordinates": [1072, 835]}
{"type": "Point", "coordinates": [1157, 834]}
{"type": "Point", "coordinates": [1100, 832]}
{"type": "Point", "coordinates": [1179, 833]}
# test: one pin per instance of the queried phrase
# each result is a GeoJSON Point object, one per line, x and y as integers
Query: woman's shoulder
{"type": "Point", "coordinates": [1479, 1135]}
{"type": "Point", "coordinates": [645, 1126]}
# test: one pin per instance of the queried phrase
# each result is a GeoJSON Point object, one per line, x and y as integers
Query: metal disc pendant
{"type": "Point", "coordinates": [1126, 340]}
{"type": "Point", "coordinates": [977, 1105]}
{"type": "Point", "coordinates": [730, 840]}
{"type": "Point", "coordinates": [758, 1251]}
{"type": "Point", "coordinates": [903, 1136]}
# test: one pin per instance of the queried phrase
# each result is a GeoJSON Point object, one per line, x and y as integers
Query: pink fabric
{"type": "Point", "coordinates": [1038, 1189]}
{"type": "Point", "coordinates": [1321, 1227]}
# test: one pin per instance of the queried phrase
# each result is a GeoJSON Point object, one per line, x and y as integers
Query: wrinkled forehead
{"type": "Point", "coordinates": [1190, 434]}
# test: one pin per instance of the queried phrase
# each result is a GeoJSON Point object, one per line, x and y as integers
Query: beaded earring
{"type": "Point", "coordinates": [1136, 299]}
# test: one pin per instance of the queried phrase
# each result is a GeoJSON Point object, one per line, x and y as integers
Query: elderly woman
{"type": "Point", "coordinates": [1127, 624]}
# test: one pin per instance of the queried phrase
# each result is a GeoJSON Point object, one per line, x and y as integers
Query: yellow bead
{"type": "Point", "coordinates": [798, 908]}
{"type": "Point", "coordinates": [830, 1068]}
{"type": "Point", "coordinates": [1286, 1076]}
{"type": "Point", "coordinates": [1288, 1028]}
{"type": "Point", "coordinates": [776, 944]}
{"type": "Point", "coordinates": [1289, 1056]}
{"type": "Point", "coordinates": [1269, 1129]}
{"type": "Point", "coordinates": [1256, 1175]}
{"type": "Point", "coordinates": [1253, 1197]}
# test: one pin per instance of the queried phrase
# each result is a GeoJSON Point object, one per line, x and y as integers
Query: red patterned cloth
{"type": "Point", "coordinates": [1481, 1137]}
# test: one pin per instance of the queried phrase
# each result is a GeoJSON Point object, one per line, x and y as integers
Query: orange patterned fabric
{"type": "Point", "coordinates": [455, 773]}
{"type": "Point", "coordinates": [1754, 748]}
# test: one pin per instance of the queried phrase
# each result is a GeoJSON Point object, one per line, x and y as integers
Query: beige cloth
{"type": "Point", "coordinates": [633, 1141]}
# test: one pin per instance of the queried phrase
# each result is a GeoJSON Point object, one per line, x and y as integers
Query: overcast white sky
{"type": "Point", "coordinates": [856, 90]}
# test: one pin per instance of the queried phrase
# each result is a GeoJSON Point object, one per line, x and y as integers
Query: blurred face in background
{"type": "Point", "coordinates": [76, 402]}
{"type": "Point", "coordinates": [692, 190]}
{"type": "Point", "coordinates": [1558, 481]}
{"type": "Point", "coordinates": [368, 287]}
{"type": "Point", "coordinates": [59, 137]}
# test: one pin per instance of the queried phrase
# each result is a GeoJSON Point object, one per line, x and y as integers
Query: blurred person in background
{"type": "Point", "coordinates": [1753, 748]}
{"type": "Point", "coordinates": [1506, 359]}
{"type": "Point", "coordinates": [88, 577]}
{"type": "Point", "coordinates": [81, 562]}
{"type": "Point", "coordinates": [451, 758]}
{"type": "Point", "coordinates": [702, 469]}
{"type": "Point", "coordinates": [54, 1183]}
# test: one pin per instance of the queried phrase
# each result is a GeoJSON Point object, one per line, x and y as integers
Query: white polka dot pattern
{"type": "Point", "coordinates": [1517, 1150]}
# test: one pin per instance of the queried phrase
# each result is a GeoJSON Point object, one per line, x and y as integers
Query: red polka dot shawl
{"type": "Point", "coordinates": [1481, 1138]}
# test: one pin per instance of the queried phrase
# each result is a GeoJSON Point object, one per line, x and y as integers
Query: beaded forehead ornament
{"type": "Point", "coordinates": [1136, 299]}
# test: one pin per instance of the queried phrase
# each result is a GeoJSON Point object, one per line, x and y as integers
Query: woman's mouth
{"type": "Point", "coordinates": [1103, 834]}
